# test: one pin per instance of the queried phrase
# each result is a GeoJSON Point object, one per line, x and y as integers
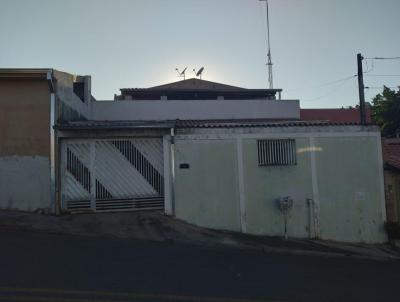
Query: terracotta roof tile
{"type": "Point", "coordinates": [335, 115]}
{"type": "Point", "coordinates": [391, 152]}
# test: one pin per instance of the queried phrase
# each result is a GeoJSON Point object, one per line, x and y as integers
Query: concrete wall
{"type": "Point", "coordinates": [70, 106]}
{"type": "Point", "coordinates": [263, 185]}
{"type": "Point", "coordinates": [392, 192]}
{"type": "Point", "coordinates": [212, 170]}
{"type": "Point", "coordinates": [225, 191]}
{"type": "Point", "coordinates": [24, 143]}
{"type": "Point", "coordinates": [195, 109]}
{"type": "Point", "coordinates": [24, 117]}
{"type": "Point", "coordinates": [24, 183]}
{"type": "Point", "coordinates": [349, 177]}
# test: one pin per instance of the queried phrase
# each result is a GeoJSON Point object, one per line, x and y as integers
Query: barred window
{"type": "Point", "coordinates": [276, 152]}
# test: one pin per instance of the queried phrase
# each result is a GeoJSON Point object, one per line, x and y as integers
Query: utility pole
{"type": "Point", "coordinates": [361, 88]}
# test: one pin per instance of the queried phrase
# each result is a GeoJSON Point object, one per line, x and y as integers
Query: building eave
{"type": "Point", "coordinates": [25, 73]}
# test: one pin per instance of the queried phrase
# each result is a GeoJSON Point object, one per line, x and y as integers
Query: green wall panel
{"type": "Point", "coordinates": [265, 184]}
{"type": "Point", "coordinates": [347, 171]}
{"type": "Point", "coordinates": [206, 194]}
{"type": "Point", "coordinates": [349, 189]}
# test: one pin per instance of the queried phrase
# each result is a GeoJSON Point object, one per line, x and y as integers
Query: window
{"type": "Point", "coordinates": [276, 152]}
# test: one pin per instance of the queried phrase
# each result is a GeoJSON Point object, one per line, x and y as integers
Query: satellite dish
{"type": "Point", "coordinates": [198, 74]}
{"type": "Point", "coordinates": [182, 74]}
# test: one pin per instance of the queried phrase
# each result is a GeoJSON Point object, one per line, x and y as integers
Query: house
{"type": "Point", "coordinates": [391, 159]}
{"type": "Point", "coordinates": [211, 154]}
{"type": "Point", "coordinates": [29, 103]}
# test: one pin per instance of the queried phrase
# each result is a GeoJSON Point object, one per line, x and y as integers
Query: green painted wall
{"type": "Point", "coordinates": [265, 184]}
{"type": "Point", "coordinates": [206, 194]}
{"type": "Point", "coordinates": [348, 180]}
{"type": "Point", "coordinates": [349, 189]}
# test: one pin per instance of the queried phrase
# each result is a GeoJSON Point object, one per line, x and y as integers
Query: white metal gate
{"type": "Point", "coordinates": [112, 174]}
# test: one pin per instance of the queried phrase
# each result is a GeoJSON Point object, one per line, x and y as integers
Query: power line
{"type": "Point", "coordinates": [383, 58]}
{"type": "Point", "coordinates": [331, 92]}
{"type": "Point", "coordinates": [324, 84]}
{"type": "Point", "coordinates": [382, 75]}
{"type": "Point", "coordinates": [380, 87]}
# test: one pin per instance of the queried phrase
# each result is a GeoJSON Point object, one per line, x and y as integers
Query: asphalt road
{"type": "Point", "coordinates": [65, 268]}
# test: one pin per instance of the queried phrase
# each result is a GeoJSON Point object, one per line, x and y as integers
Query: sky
{"type": "Point", "coordinates": [139, 43]}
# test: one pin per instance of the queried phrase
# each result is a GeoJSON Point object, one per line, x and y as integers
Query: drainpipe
{"type": "Point", "coordinates": [311, 222]}
{"type": "Point", "coordinates": [173, 169]}
{"type": "Point", "coordinates": [53, 144]}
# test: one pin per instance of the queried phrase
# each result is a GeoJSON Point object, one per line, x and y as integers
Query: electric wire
{"type": "Point", "coordinates": [383, 58]}
{"type": "Point", "coordinates": [380, 87]}
{"type": "Point", "coordinates": [382, 75]}
{"type": "Point", "coordinates": [324, 84]}
{"type": "Point", "coordinates": [331, 92]}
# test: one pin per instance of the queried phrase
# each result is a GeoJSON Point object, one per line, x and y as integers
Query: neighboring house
{"type": "Point", "coordinates": [31, 101]}
{"type": "Point", "coordinates": [25, 147]}
{"type": "Point", "coordinates": [391, 159]}
{"type": "Point", "coordinates": [211, 154]}
{"type": "Point", "coordinates": [195, 89]}
{"type": "Point", "coordinates": [335, 115]}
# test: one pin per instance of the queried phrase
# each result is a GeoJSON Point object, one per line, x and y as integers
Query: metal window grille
{"type": "Point", "coordinates": [276, 152]}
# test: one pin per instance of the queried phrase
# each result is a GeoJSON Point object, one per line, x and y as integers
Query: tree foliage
{"type": "Point", "coordinates": [386, 111]}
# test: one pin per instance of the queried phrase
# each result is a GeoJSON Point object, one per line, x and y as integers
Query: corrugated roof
{"type": "Point", "coordinates": [254, 123]}
{"type": "Point", "coordinates": [391, 152]}
{"type": "Point", "coordinates": [114, 125]}
{"type": "Point", "coordinates": [227, 123]}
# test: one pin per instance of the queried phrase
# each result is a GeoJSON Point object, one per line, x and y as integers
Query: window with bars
{"type": "Point", "coordinates": [276, 152]}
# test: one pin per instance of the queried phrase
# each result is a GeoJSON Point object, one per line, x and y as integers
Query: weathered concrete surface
{"type": "Point", "coordinates": [264, 184]}
{"type": "Point", "coordinates": [70, 106]}
{"type": "Point", "coordinates": [345, 187]}
{"type": "Point", "coordinates": [349, 177]}
{"type": "Point", "coordinates": [194, 109]}
{"type": "Point", "coordinates": [25, 141]}
{"type": "Point", "coordinates": [25, 183]}
{"type": "Point", "coordinates": [24, 117]}
{"type": "Point", "coordinates": [155, 226]}
{"type": "Point", "coordinates": [392, 193]}
{"type": "Point", "coordinates": [212, 169]}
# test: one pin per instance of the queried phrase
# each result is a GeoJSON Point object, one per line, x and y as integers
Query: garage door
{"type": "Point", "coordinates": [112, 174]}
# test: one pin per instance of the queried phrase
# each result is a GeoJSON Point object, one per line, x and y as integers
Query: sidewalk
{"type": "Point", "coordinates": [155, 226]}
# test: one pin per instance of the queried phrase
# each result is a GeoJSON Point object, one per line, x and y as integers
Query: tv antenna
{"type": "Point", "coordinates": [269, 63]}
{"type": "Point", "coordinates": [199, 72]}
{"type": "Point", "coordinates": [181, 74]}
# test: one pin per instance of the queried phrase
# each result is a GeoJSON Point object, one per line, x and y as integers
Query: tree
{"type": "Point", "coordinates": [386, 111]}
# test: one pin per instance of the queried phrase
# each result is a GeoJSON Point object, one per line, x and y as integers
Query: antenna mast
{"type": "Point", "coordinates": [269, 63]}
